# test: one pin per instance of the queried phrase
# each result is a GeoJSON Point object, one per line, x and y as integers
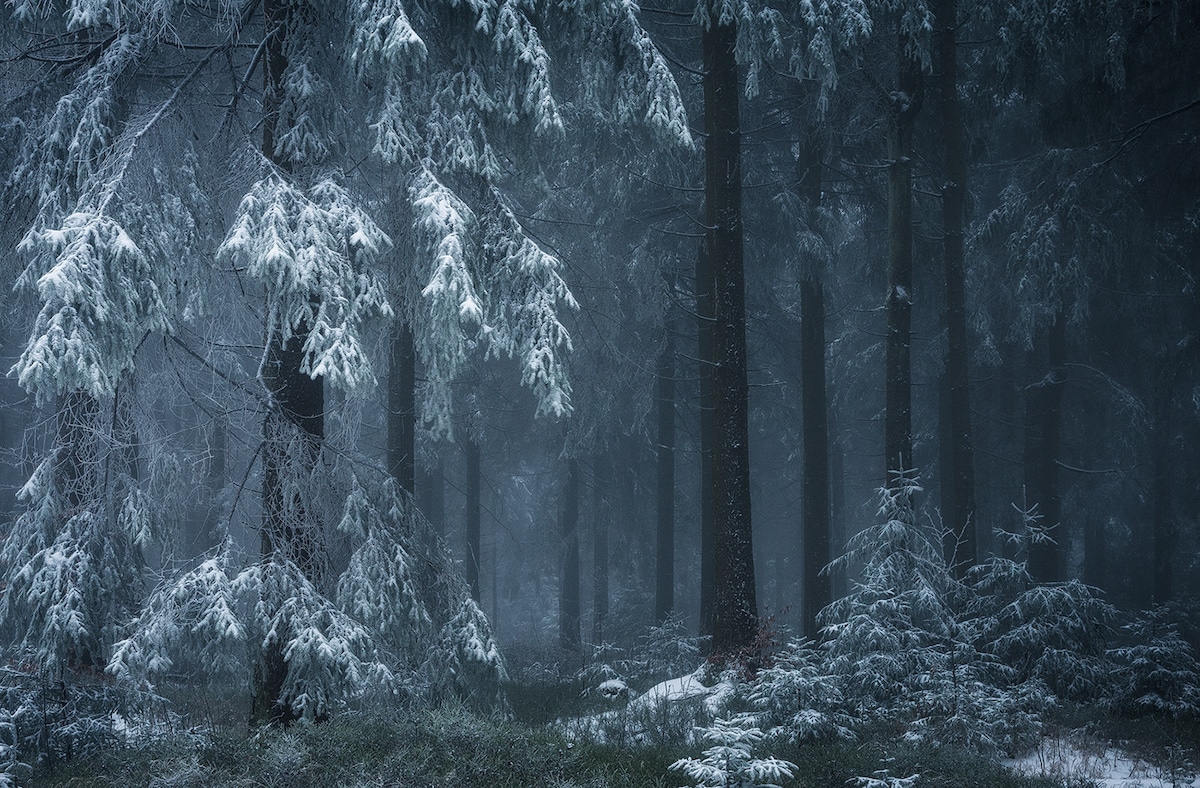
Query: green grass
{"type": "Point", "coordinates": [452, 747]}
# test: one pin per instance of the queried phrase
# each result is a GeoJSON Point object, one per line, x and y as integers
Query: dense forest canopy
{"type": "Point", "coordinates": [403, 349]}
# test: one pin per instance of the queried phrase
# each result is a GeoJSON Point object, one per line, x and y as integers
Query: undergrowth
{"type": "Point", "coordinates": [452, 746]}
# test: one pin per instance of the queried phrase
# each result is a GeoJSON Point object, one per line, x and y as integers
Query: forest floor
{"type": "Point", "coordinates": [453, 747]}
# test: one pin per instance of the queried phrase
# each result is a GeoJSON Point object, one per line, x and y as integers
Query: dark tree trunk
{"type": "Point", "coordinates": [898, 387]}
{"type": "Point", "coordinates": [837, 509]}
{"type": "Point", "coordinates": [294, 425]}
{"type": "Point", "coordinates": [401, 408]}
{"type": "Point", "coordinates": [293, 429]}
{"type": "Point", "coordinates": [601, 480]}
{"type": "Point", "coordinates": [815, 507]}
{"type": "Point", "coordinates": [1163, 525]}
{"type": "Point", "coordinates": [473, 514]}
{"type": "Point", "coordinates": [818, 588]}
{"type": "Point", "coordinates": [664, 570]}
{"type": "Point", "coordinates": [568, 598]}
{"type": "Point", "coordinates": [433, 497]}
{"type": "Point", "coordinates": [1043, 404]}
{"type": "Point", "coordinates": [735, 609]}
{"type": "Point", "coordinates": [704, 354]}
{"type": "Point", "coordinates": [958, 479]}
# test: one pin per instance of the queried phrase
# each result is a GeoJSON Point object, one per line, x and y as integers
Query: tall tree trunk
{"type": "Point", "coordinates": [601, 480]}
{"type": "Point", "coordinates": [818, 588]}
{"type": "Point", "coordinates": [735, 608]}
{"type": "Point", "coordinates": [568, 597]}
{"type": "Point", "coordinates": [294, 425]}
{"type": "Point", "coordinates": [473, 514]}
{"type": "Point", "coordinates": [1043, 447]}
{"type": "Point", "coordinates": [705, 361]}
{"type": "Point", "coordinates": [1163, 525]}
{"type": "Point", "coordinates": [664, 569]}
{"type": "Point", "coordinates": [958, 480]}
{"type": "Point", "coordinates": [401, 408]}
{"type": "Point", "coordinates": [1094, 552]}
{"type": "Point", "coordinates": [837, 509]}
{"type": "Point", "coordinates": [432, 491]}
{"type": "Point", "coordinates": [898, 386]}
{"type": "Point", "coordinates": [815, 506]}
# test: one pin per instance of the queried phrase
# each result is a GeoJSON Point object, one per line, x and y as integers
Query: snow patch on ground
{"type": "Point", "coordinates": [684, 688]}
{"type": "Point", "coordinates": [1105, 767]}
{"type": "Point", "coordinates": [666, 703]}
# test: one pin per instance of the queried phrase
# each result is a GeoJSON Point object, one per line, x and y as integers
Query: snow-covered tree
{"type": "Point", "coordinates": [138, 192]}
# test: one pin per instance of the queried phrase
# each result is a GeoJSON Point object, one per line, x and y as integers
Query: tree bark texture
{"type": "Point", "coordinates": [735, 609]}
{"type": "Point", "coordinates": [958, 478]}
{"type": "Point", "coordinates": [1043, 447]}
{"type": "Point", "coordinates": [664, 569]}
{"type": "Point", "coordinates": [568, 597]}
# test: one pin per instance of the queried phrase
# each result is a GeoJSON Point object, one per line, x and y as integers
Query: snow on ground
{"type": "Point", "coordinates": [683, 702]}
{"type": "Point", "coordinates": [684, 688]}
{"type": "Point", "coordinates": [1072, 760]}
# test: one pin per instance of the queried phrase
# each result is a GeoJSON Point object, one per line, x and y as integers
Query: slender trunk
{"type": "Point", "coordinates": [568, 598]}
{"type": "Point", "coordinates": [818, 588]}
{"type": "Point", "coordinates": [704, 354]}
{"type": "Point", "coordinates": [1163, 525]}
{"type": "Point", "coordinates": [294, 425]}
{"type": "Point", "coordinates": [815, 507]}
{"type": "Point", "coordinates": [1094, 553]}
{"type": "Point", "coordinates": [837, 511]}
{"type": "Point", "coordinates": [433, 497]}
{"type": "Point", "coordinates": [473, 514]}
{"type": "Point", "coordinates": [961, 538]}
{"type": "Point", "coordinates": [664, 574]}
{"type": "Point", "coordinates": [600, 484]}
{"type": "Point", "coordinates": [898, 387]}
{"type": "Point", "coordinates": [735, 609]}
{"type": "Point", "coordinates": [1043, 448]}
{"type": "Point", "coordinates": [401, 408]}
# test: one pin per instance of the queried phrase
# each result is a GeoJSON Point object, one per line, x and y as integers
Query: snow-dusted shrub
{"type": "Point", "coordinates": [730, 761]}
{"type": "Point", "coordinates": [894, 625]}
{"type": "Point", "coordinates": [798, 699]}
{"type": "Point", "coordinates": [468, 659]}
{"type": "Point", "coordinates": [395, 625]}
{"type": "Point", "coordinates": [1156, 672]}
{"type": "Point", "coordinates": [1056, 633]}
{"type": "Point", "coordinates": [50, 715]}
{"type": "Point", "coordinates": [666, 650]}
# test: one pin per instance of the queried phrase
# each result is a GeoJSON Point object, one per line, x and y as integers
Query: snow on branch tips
{"type": "Point", "coordinates": [527, 293]}
{"type": "Point", "coordinates": [309, 247]}
{"type": "Point", "coordinates": [99, 297]}
{"type": "Point", "coordinates": [446, 229]}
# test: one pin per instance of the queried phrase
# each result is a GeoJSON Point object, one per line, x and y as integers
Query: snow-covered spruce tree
{"type": "Point", "coordinates": [1052, 633]}
{"type": "Point", "coordinates": [902, 650]}
{"type": "Point", "coordinates": [1153, 670]}
{"type": "Point", "coordinates": [447, 106]}
{"type": "Point", "coordinates": [730, 761]}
